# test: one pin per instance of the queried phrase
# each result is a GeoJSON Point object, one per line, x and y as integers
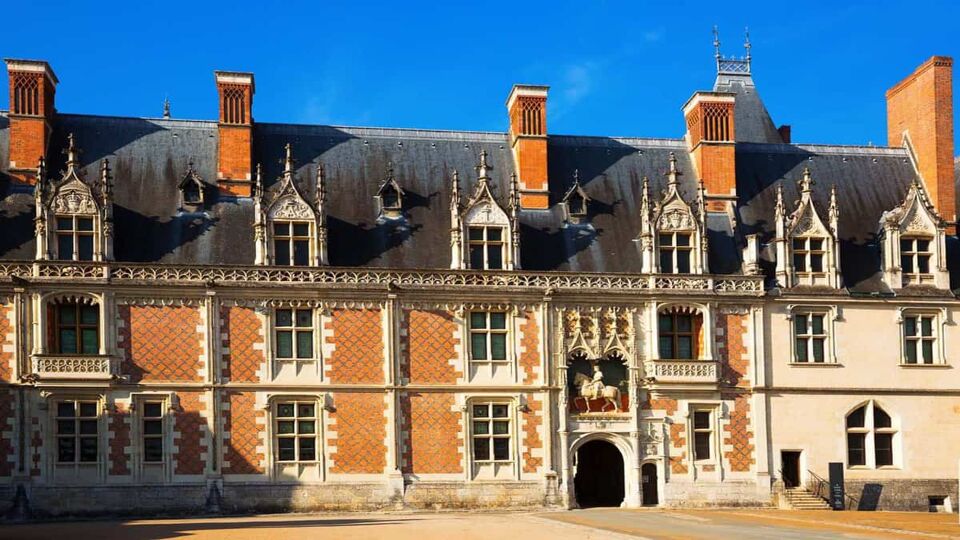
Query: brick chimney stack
{"type": "Point", "coordinates": [527, 108]}
{"type": "Point", "coordinates": [920, 115]}
{"type": "Point", "coordinates": [711, 136]}
{"type": "Point", "coordinates": [235, 130]}
{"type": "Point", "coordinates": [32, 88]}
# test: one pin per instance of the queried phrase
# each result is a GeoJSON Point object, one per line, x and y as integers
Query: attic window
{"type": "Point", "coordinates": [191, 189]}
{"type": "Point", "coordinates": [192, 195]}
{"type": "Point", "coordinates": [576, 200]}
{"type": "Point", "coordinates": [390, 196]}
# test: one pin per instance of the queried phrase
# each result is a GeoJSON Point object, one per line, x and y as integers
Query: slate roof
{"type": "Point", "coordinates": [149, 157]}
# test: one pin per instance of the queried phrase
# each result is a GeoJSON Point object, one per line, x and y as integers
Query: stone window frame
{"type": "Point", "coordinates": [940, 318]}
{"type": "Point", "coordinates": [272, 450]}
{"type": "Point", "coordinates": [49, 449]}
{"type": "Point", "coordinates": [492, 470]}
{"type": "Point", "coordinates": [674, 248]}
{"type": "Point", "coordinates": [831, 314]}
{"type": "Point", "coordinates": [138, 402]}
{"type": "Point", "coordinates": [507, 331]}
{"type": "Point", "coordinates": [717, 417]}
{"type": "Point", "coordinates": [42, 343]}
{"type": "Point", "coordinates": [485, 245]}
{"type": "Point", "coordinates": [869, 430]}
{"type": "Point", "coordinates": [916, 256]}
{"type": "Point", "coordinates": [314, 329]}
{"type": "Point", "coordinates": [706, 345]}
{"type": "Point", "coordinates": [292, 239]}
{"type": "Point", "coordinates": [75, 233]}
{"type": "Point", "coordinates": [808, 253]}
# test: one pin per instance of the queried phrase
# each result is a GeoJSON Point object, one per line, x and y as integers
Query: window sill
{"type": "Point", "coordinates": [926, 366]}
{"type": "Point", "coordinates": [816, 364]}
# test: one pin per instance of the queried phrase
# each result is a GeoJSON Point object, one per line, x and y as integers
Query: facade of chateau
{"type": "Point", "coordinates": [241, 315]}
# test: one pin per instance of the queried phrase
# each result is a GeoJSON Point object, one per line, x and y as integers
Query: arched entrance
{"type": "Point", "coordinates": [599, 478]}
{"type": "Point", "coordinates": [648, 482]}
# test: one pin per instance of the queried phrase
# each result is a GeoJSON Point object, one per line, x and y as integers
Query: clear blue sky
{"type": "Point", "coordinates": [615, 68]}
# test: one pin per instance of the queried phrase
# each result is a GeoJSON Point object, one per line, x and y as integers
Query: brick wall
{"type": "Point", "coordinates": [243, 425]}
{"type": "Point", "coordinates": [731, 332]}
{"type": "Point", "coordinates": [119, 439]}
{"type": "Point", "coordinates": [738, 436]}
{"type": "Point", "coordinates": [732, 329]}
{"type": "Point", "coordinates": [6, 430]}
{"type": "Point", "coordinates": [678, 439]}
{"type": "Point", "coordinates": [6, 343]}
{"type": "Point", "coordinates": [433, 437]}
{"type": "Point", "coordinates": [357, 431]}
{"type": "Point", "coordinates": [243, 344]}
{"type": "Point", "coordinates": [356, 336]}
{"type": "Point", "coordinates": [28, 143]}
{"type": "Point", "coordinates": [234, 161]}
{"type": "Point", "coordinates": [530, 348]}
{"type": "Point", "coordinates": [532, 440]}
{"type": "Point", "coordinates": [431, 342]}
{"type": "Point", "coordinates": [189, 426]}
{"type": "Point", "coordinates": [161, 343]}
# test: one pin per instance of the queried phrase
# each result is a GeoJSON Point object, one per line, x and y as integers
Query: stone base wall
{"type": "Point", "coordinates": [242, 498]}
{"type": "Point", "coordinates": [903, 495]}
{"type": "Point", "coordinates": [116, 500]}
{"type": "Point", "coordinates": [722, 494]}
{"type": "Point", "coordinates": [463, 495]}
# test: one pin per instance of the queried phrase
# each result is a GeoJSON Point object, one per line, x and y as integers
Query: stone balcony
{"type": "Point", "coordinates": [682, 371]}
{"type": "Point", "coordinates": [65, 366]}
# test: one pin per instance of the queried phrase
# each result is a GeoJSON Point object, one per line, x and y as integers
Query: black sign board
{"type": "Point", "coordinates": [836, 486]}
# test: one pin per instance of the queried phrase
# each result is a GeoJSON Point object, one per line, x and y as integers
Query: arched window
{"type": "Point", "coordinates": [871, 437]}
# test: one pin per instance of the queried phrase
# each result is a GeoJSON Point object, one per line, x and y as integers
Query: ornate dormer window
{"type": "Point", "coordinates": [673, 232]}
{"type": "Point", "coordinates": [913, 240]}
{"type": "Point", "coordinates": [492, 235]}
{"type": "Point", "coordinates": [807, 248]}
{"type": "Point", "coordinates": [74, 219]}
{"type": "Point", "coordinates": [575, 201]}
{"type": "Point", "coordinates": [192, 190]}
{"type": "Point", "coordinates": [290, 231]}
{"type": "Point", "coordinates": [390, 197]}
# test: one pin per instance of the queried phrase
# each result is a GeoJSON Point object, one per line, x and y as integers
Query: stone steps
{"type": "Point", "coordinates": [801, 499]}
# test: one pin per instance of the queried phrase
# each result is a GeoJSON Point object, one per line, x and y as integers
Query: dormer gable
{"type": "Point", "coordinates": [807, 247]}
{"type": "Point", "coordinates": [913, 242]}
{"type": "Point", "coordinates": [490, 233]}
{"type": "Point", "coordinates": [390, 197]}
{"type": "Point", "coordinates": [575, 202]}
{"type": "Point", "coordinates": [193, 190]}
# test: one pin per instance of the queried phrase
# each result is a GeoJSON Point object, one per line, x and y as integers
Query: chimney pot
{"type": "Point", "coordinates": [235, 132]}
{"type": "Point", "coordinates": [32, 89]}
{"type": "Point", "coordinates": [527, 109]}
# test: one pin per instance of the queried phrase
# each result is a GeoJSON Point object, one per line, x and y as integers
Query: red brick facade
{"type": "Point", "coordinates": [358, 429]}
{"type": "Point", "coordinates": [678, 454]}
{"type": "Point", "coordinates": [161, 343]}
{"type": "Point", "coordinates": [357, 339]}
{"type": "Point", "coordinates": [6, 426]}
{"type": "Point", "coordinates": [6, 344]}
{"type": "Point", "coordinates": [530, 348]}
{"type": "Point", "coordinates": [431, 341]}
{"type": "Point", "coordinates": [189, 427]}
{"type": "Point", "coordinates": [243, 352]}
{"type": "Point", "coordinates": [532, 440]}
{"type": "Point", "coordinates": [739, 435]}
{"type": "Point", "coordinates": [119, 436]}
{"type": "Point", "coordinates": [434, 436]}
{"type": "Point", "coordinates": [243, 426]}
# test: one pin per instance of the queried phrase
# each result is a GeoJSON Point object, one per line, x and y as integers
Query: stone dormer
{"type": "Point", "coordinates": [807, 247]}
{"type": "Point", "coordinates": [913, 243]}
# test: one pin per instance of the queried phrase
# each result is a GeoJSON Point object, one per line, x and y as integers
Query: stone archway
{"type": "Point", "coordinates": [600, 475]}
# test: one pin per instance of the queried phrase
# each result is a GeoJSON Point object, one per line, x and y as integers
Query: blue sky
{"type": "Point", "coordinates": [615, 68]}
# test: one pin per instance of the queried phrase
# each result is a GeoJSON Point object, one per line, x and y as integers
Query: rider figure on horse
{"type": "Point", "coordinates": [597, 380]}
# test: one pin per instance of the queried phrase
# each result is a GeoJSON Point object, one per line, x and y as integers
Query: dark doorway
{"type": "Point", "coordinates": [599, 479]}
{"type": "Point", "coordinates": [648, 481]}
{"type": "Point", "coordinates": [790, 468]}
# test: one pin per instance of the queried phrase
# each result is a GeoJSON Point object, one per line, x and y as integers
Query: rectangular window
{"type": "Point", "coordinates": [702, 435]}
{"type": "Point", "coordinates": [491, 432]}
{"type": "Point", "coordinates": [919, 340]}
{"type": "Point", "coordinates": [808, 254]}
{"type": "Point", "coordinates": [678, 336]}
{"type": "Point", "coordinates": [675, 252]}
{"type": "Point", "coordinates": [293, 334]}
{"type": "Point", "coordinates": [296, 431]}
{"type": "Point", "coordinates": [78, 328]}
{"type": "Point", "coordinates": [74, 238]}
{"type": "Point", "coordinates": [291, 243]}
{"type": "Point", "coordinates": [915, 254]}
{"type": "Point", "coordinates": [856, 449]}
{"type": "Point", "coordinates": [151, 429]}
{"type": "Point", "coordinates": [810, 337]}
{"type": "Point", "coordinates": [488, 336]}
{"type": "Point", "coordinates": [883, 447]}
{"type": "Point", "coordinates": [486, 248]}
{"type": "Point", "coordinates": [78, 431]}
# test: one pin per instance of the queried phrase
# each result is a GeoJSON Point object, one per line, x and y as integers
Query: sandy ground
{"type": "Point", "coordinates": [594, 524]}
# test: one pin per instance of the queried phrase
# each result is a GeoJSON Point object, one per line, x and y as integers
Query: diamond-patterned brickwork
{"type": "Point", "coordinates": [6, 426]}
{"type": "Point", "coordinates": [530, 347]}
{"type": "Point", "coordinates": [242, 434]}
{"type": "Point", "coordinates": [357, 337]}
{"type": "Point", "coordinates": [731, 350]}
{"type": "Point", "coordinates": [431, 345]}
{"type": "Point", "coordinates": [435, 440]}
{"type": "Point", "coordinates": [243, 349]}
{"type": "Point", "coordinates": [119, 440]}
{"type": "Point", "coordinates": [358, 430]}
{"type": "Point", "coordinates": [161, 343]}
{"type": "Point", "coordinates": [739, 436]}
{"type": "Point", "coordinates": [6, 342]}
{"type": "Point", "coordinates": [189, 425]}
{"type": "Point", "coordinates": [678, 438]}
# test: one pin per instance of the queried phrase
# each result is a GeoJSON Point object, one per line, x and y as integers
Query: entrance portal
{"type": "Point", "coordinates": [790, 468]}
{"type": "Point", "coordinates": [648, 480]}
{"type": "Point", "coordinates": [599, 479]}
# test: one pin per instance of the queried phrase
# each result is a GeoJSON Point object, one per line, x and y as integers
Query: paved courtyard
{"type": "Point", "coordinates": [607, 524]}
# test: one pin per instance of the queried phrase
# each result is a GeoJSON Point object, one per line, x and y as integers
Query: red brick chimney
{"type": "Point", "coordinates": [32, 88]}
{"type": "Point", "coordinates": [527, 108]}
{"type": "Point", "coordinates": [712, 142]}
{"type": "Point", "coordinates": [235, 129]}
{"type": "Point", "coordinates": [920, 110]}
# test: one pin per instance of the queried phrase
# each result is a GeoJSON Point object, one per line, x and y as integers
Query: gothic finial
{"type": "Point", "coordinates": [716, 44]}
{"type": "Point", "coordinates": [514, 192]}
{"type": "Point", "coordinates": [806, 182]}
{"type": "Point", "coordinates": [780, 208]}
{"type": "Point", "coordinates": [389, 171]}
{"type": "Point", "coordinates": [746, 43]}
{"type": "Point", "coordinates": [258, 183]}
{"type": "Point", "coordinates": [106, 186]}
{"type": "Point", "coordinates": [288, 159]}
{"type": "Point", "coordinates": [166, 107]}
{"type": "Point", "coordinates": [673, 173]}
{"type": "Point", "coordinates": [455, 190]}
{"type": "Point", "coordinates": [72, 152]}
{"type": "Point", "coordinates": [321, 185]}
{"type": "Point", "coordinates": [483, 172]}
{"type": "Point", "coordinates": [576, 177]}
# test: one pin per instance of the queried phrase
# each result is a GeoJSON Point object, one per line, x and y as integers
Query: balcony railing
{"type": "Point", "coordinates": [682, 371]}
{"type": "Point", "coordinates": [64, 366]}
